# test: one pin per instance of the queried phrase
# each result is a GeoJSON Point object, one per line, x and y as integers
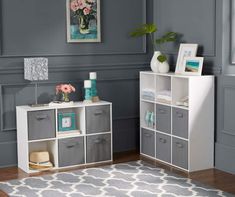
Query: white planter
{"type": "Point", "coordinates": [163, 67]}
{"type": "Point", "coordinates": [159, 67]}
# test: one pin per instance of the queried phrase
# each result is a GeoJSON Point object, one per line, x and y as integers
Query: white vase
{"type": "Point", "coordinates": [163, 67]}
{"type": "Point", "coordinates": [154, 61]}
{"type": "Point", "coordinates": [157, 66]}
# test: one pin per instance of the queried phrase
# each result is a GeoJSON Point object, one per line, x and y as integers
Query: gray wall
{"type": "Point", "coordinates": [38, 28]}
{"type": "Point", "coordinates": [196, 22]}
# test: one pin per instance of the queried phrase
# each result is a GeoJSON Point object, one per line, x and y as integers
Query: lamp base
{"type": "Point", "coordinates": [39, 105]}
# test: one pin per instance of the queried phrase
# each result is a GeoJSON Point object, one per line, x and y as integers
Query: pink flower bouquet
{"type": "Point", "coordinates": [65, 90]}
{"type": "Point", "coordinates": [84, 11]}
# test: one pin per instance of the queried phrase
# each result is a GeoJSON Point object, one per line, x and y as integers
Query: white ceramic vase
{"type": "Point", "coordinates": [159, 67]}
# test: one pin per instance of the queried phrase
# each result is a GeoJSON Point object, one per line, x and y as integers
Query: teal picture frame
{"type": "Point", "coordinates": [66, 122]}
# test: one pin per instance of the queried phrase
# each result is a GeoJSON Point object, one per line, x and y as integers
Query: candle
{"type": "Point", "coordinates": [93, 75]}
{"type": "Point", "coordinates": [87, 84]}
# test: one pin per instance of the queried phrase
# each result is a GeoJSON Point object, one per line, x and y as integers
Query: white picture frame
{"type": "Point", "coordinates": [77, 33]}
{"type": "Point", "coordinates": [185, 50]}
{"type": "Point", "coordinates": [193, 65]}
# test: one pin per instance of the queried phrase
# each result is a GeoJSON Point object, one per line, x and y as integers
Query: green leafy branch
{"type": "Point", "coordinates": [150, 29]}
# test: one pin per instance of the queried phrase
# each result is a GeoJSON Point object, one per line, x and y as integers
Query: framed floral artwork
{"type": "Point", "coordinates": [83, 21]}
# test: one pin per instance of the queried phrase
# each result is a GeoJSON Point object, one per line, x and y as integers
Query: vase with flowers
{"type": "Point", "coordinates": [159, 60]}
{"type": "Point", "coordinates": [65, 90]}
{"type": "Point", "coordinates": [84, 11]}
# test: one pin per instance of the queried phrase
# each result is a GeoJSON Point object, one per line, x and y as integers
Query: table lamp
{"type": "Point", "coordinates": [36, 69]}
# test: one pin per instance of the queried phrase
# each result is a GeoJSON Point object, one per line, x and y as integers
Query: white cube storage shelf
{"type": "Point", "coordinates": [182, 134]}
{"type": "Point", "coordinates": [88, 142]}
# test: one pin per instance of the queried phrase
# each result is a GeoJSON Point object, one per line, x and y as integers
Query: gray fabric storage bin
{"type": "Point", "coordinates": [148, 142]}
{"type": "Point", "coordinates": [163, 147]}
{"type": "Point", "coordinates": [180, 153]}
{"type": "Point", "coordinates": [98, 148]}
{"type": "Point", "coordinates": [71, 151]}
{"type": "Point", "coordinates": [41, 124]}
{"type": "Point", "coordinates": [180, 122]}
{"type": "Point", "coordinates": [163, 118]}
{"type": "Point", "coordinates": [98, 119]}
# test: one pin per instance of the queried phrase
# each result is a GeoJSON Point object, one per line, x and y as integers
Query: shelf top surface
{"type": "Point", "coordinates": [62, 106]}
{"type": "Point", "coordinates": [172, 74]}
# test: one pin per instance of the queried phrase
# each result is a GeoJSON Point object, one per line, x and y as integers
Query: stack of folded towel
{"type": "Point", "coordinates": [164, 96]}
{"type": "Point", "coordinates": [148, 94]}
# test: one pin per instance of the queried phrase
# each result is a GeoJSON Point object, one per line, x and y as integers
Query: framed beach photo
{"type": "Point", "coordinates": [83, 21]}
{"type": "Point", "coordinates": [193, 65]}
{"type": "Point", "coordinates": [185, 50]}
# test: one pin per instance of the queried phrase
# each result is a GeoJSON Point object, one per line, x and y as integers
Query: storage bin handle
{"type": "Point", "coordinates": [98, 141]}
{"type": "Point", "coordinates": [147, 135]}
{"type": "Point", "coordinates": [162, 111]}
{"type": "Point", "coordinates": [72, 145]}
{"type": "Point", "coordinates": [42, 117]}
{"type": "Point", "coordinates": [162, 140]}
{"type": "Point", "coordinates": [98, 112]}
{"type": "Point", "coordinates": [179, 145]}
{"type": "Point", "coordinates": [179, 115]}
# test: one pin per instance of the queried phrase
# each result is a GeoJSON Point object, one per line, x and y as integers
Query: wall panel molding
{"type": "Point", "coordinates": [84, 67]}
{"type": "Point", "coordinates": [1, 28]}
{"type": "Point", "coordinates": [168, 22]}
{"type": "Point", "coordinates": [58, 45]}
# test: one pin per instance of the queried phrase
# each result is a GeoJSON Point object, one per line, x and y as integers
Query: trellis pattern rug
{"type": "Point", "coordinates": [134, 179]}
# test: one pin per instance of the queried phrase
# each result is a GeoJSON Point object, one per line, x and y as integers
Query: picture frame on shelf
{"type": "Point", "coordinates": [185, 50]}
{"type": "Point", "coordinates": [66, 122]}
{"type": "Point", "coordinates": [83, 21]}
{"type": "Point", "coordinates": [193, 65]}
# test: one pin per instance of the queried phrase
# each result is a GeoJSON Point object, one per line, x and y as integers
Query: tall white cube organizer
{"type": "Point", "coordinates": [181, 132]}
{"type": "Point", "coordinates": [89, 141]}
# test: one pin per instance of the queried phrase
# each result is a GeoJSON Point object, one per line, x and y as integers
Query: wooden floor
{"type": "Point", "coordinates": [215, 178]}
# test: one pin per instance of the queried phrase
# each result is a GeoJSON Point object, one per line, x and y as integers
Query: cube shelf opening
{"type": "Point", "coordinates": [147, 115]}
{"type": "Point", "coordinates": [180, 92]}
{"type": "Point", "coordinates": [163, 89]}
{"type": "Point", "coordinates": [147, 87]}
{"type": "Point", "coordinates": [49, 146]}
{"type": "Point", "coordinates": [70, 121]}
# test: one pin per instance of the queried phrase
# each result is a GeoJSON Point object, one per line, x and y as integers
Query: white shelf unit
{"type": "Point", "coordinates": [182, 135]}
{"type": "Point", "coordinates": [89, 143]}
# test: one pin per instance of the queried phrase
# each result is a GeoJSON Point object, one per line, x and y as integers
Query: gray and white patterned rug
{"type": "Point", "coordinates": [135, 179]}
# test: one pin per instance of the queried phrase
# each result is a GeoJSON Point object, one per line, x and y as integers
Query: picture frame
{"type": "Point", "coordinates": [185, 50]}
{"type": "Point", "coordinates": [66, 122]}
{"type": "Point", "coordinates": [83, 21]}
{"type": "Point", "coordinates": [193, 65]}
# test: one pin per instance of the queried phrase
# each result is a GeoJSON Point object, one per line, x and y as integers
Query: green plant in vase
{"type": "Point", "coordinates": [159, 60]}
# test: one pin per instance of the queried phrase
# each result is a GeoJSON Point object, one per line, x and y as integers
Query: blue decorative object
{"type": "Point", "coordinates": [93, 84]}
{"type": "Point", "coordinates": [87, 87]}
{"type": "Point", "coordinates": [66, 122]}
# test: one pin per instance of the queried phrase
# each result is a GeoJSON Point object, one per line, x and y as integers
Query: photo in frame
{"type": "Point", "coordinates": [185, 50]}
{"type": "Point", "coordinates": [66, 122]}
{"type": "Point", "coordinates": [83, 21]}
{"type": "Point", "coordinates": [193, 65]}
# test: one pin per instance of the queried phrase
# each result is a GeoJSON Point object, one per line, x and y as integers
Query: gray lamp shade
{"type": "Point", "coordinates": [36, 69]}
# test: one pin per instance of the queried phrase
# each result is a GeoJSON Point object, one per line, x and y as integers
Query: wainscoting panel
{"type": "Point", "coordinates": [8, 154]}
{"type": "Point", "coordinates": [13, 95]}
{"type": "Point", "coordinates": [225, 133]}
{"type": "Point", "coordinates": [194, 20]}
{"type": "Point", "coordinates": [33, 27]}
